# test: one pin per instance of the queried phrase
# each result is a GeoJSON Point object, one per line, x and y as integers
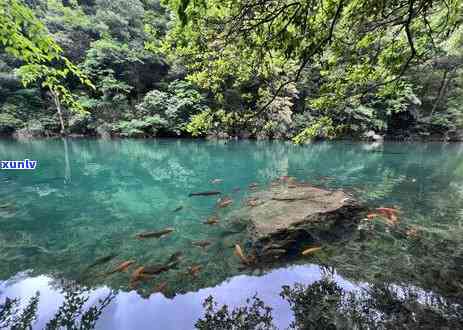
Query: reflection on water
{"type": "Point", "coordinates": [129, 311]}
{"type": "Point", "coordinates": [88, 199]}
{"type": "Point", "coordinates": [327, 302]}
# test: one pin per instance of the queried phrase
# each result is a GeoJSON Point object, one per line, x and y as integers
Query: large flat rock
{"type": "Point", "coordinates": [287, 215]}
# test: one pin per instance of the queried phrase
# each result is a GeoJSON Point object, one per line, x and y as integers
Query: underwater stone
{"type": "Point", "coordinates": [287, 218]}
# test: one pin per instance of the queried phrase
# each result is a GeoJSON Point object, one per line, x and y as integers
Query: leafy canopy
{"type": "Point", "coordinates": [356, 52]}
{"type": "Point", "coordinates": [23, 36]}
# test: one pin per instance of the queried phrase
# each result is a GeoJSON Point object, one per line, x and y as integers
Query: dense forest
{"type": "Point", "coordinates": [287, 69]}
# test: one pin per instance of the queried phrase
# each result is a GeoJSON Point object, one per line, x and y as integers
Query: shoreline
{"type": "Point", "coordinates": [208, 138]}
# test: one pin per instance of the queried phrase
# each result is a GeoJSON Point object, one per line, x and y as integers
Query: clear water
{"type": "Point", "coordinates": [88, 199]}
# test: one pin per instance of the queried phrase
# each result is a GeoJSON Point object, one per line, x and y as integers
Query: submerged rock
{"type": "Point", "coordinates": [288, 217]}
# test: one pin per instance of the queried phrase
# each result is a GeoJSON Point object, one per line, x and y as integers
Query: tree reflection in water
{"type": "Point", "coordinates": [325, 305]}
{"type": "Point", "coordinates": [72, 313]}
{"type": "Point", "coordinates": [321, 305]}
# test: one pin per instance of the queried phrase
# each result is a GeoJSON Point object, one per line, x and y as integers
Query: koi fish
{"type": "Point", "coordinates": [390, 214]}
{"type": "Point", "coordinates": [202, 244]}
{"type": "Point", "coordinates": [276, 253]}
{"type": "Point", "coordinates": [161, 287]}
{"type": "Point", "coordinates": [136, 277]}
{"type": "Point", "coordinates": [155, 269]}
{"type": "Point", "coordinates": [239, 253]}
{"type": "Point", "coordinates": [178, 209]}
{"type": "Point", "coordinates": [253, 185]}
{"type": "Point", "coordinates": [225, 201]}
{"type": "Point", "coordinates": [211, 221]}
{"type": "Point", "coordinates": [175, 257]}
{"type": "Point", "coordinates": [216, 181]}
{"type": "Point", "coordinates": [194, 270]}
{"type": "Point", "coordinates": [311, 250]}
{"type": "Point", "coordinates": [137, 272]}
{"type": "Point", "coordinates": [122, 267]}
{"type": "Point", "coordinates": [387, 210]}
{"type": "Point", "coordinates": [205, 193]}
{"type": "Point", "coordinates": [102, 260]}
{"type": "Point", "coordinates": [155, 234]}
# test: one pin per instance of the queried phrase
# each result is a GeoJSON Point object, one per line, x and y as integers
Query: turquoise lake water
{"type": "Point", "coordinates": [88, 199]}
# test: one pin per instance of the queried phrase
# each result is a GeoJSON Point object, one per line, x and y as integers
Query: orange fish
{"type": "Point", "coordinates": [311, 250]}
{"type": "Point", "coordinates": [387, 210]}
{"type": "Point", "coordinates": [212, 221]}
{"type": "Point", "coordinates": [389, 213]}
{"type": "Point", "coordinates": [135, 278]}
{"type": "Point", "coordinates": [161, 287]}
{"type": "Point", "coordinates": [136, 275]}
{"type": "Point", "coordinates": [239, 253]}
{"type": "Point", "coordinates": [194, 270]}
{"type": "Point", "coordinates": [122, 267]}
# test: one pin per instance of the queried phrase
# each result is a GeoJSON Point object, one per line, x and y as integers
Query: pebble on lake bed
{"type": "Point", "coordinates": [224, 202]}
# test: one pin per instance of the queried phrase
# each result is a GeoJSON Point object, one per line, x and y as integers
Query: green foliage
{"type": "Point", "coordinates": [173, 108]}
{"type": "Point", "coordinates": [316, 306]}
{"type": "Point", "coordinates": [23, 36]}
{"type": "Point", "coordinates": [345, 61]}
{"type": "Point", "coordinates": [274, 71]}
{"type": "Point", "coordinates": [148, 126]}
{"type": "Point", "coordinates": [254, 316]}
{"type": "Point", "coordinates": [72, 314]}
{"type": "Point", "coordinates": [12, 316]}
{"type": "Point", "coordinates": [26, 38]}
{"type": "Point", "coordinates": [9, 123]}
{"type": "Point", "coordinates": [200, 124]}
{"type": "Point", "coordinates": [322, 128]}
{"type": "Point", "coordinates": [121, 20]}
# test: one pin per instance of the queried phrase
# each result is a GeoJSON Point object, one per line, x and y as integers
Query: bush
{"type": "Point", "coordinates": [173, 107]}
{"type": "Point", "coordinates": [321, 128]}
{"type": "Point", "coordinates": [147, 126]}
{"type": "Point", "coordinates": [9, 123]}
{"type": "Point", "coordinates": [33, 128]}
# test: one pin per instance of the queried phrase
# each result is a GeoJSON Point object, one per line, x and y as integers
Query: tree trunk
{"type": "Point", "coordinates": [442, 88]}
{"type": "Point", "coordinates": [60, 113]}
